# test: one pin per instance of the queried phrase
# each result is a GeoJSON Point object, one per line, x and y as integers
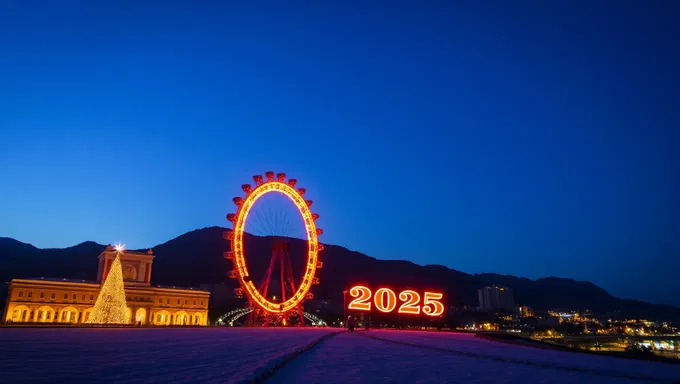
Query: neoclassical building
{"type": "Point", "coordinates": [47, 300]}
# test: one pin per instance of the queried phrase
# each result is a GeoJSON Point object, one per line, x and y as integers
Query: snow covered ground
{"type": "Point", "coordinates": [457, 358]}
{"type": "Point", "coordinates": [234, 355]}
{"type": "Point", "coordinates": [171, 355]}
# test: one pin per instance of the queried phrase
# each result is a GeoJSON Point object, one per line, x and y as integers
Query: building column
{"type": "Point", "coordinates": [8, 315]}
{"type": "Point", "coordinates": [106, 270]}
{"type": "Point", "coordinates": [147, 279]}
{"type": "Point", "coordinates": [3, 319]}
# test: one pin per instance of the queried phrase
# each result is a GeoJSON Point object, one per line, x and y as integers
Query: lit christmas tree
{"type": "Point", "coordinates": [110, 307]}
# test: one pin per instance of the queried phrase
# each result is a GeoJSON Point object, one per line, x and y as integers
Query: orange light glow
{"type": "Point", "coordinates": [362, 294]}
{"type": "Point", "coordinates": [385, 300]}
{"type": "Point", "coordinates": [431, 305]}
{"type": "Point", "coordinates": [237, 245]}
{"type": "Point", "coordinates": [411, 301]}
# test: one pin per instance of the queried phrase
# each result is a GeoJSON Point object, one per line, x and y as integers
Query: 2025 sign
{"type": "Point", "coordinates": [385, 300]}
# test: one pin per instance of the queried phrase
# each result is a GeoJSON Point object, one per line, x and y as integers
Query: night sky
{"type": "Point", "coordinates": [536, 139]}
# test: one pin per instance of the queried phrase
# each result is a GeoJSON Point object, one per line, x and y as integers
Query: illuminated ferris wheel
{"type": "Point", "coordinates": [276, 212]}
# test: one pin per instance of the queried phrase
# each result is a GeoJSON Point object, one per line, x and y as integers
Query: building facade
{"type": "Point", "coordinates": [64, 301]}
{"type": "Point", "coordinates": [494, 298]}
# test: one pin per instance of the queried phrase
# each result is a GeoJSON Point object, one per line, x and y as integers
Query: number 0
{"type": "Point", "coordinates": [385, 300]}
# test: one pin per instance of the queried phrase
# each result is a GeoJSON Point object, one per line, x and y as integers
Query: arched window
{"type": "Point", "coordinates": [140, 315]}
{"type": "Point", "coordinates": [129, 272]}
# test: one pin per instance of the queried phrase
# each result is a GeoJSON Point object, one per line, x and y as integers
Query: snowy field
{"type": "Point", "coordinates": [241, 355]}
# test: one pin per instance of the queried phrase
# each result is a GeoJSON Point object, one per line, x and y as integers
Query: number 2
{"type": "Point", "coordinates": [411, 300]}
{"type": "Point", "coordinates": [361, 302]}
{"type": "Point", "coordinates": [431, 305]}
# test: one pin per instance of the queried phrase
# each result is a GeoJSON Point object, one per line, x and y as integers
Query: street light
{"type": "Point", "coordinates": [344, 305]}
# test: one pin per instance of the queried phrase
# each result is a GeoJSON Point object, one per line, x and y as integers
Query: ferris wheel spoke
{"type": "Point", "coordinates": [280, 229]}
{"type": "Point", "coordinates": [256, 229]}
{"type": "Point", "coordinates": [266, 223]}
{"type": "Point", "coordinates": [262, 222]}
{"type": "Point", "coordinates": [274, 221]}
{"type": "Point", "coordinates": [267, 219]}
{"type": "Point", "coordinates": [253, 226]}
{"type": "Point", "coordinates": [257, 224]}
{"type": "Point", "coordinates": [280, 222]}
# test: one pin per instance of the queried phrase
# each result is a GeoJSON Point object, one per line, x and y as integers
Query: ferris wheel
{"type": "Point", "coordinates": [267, 212]}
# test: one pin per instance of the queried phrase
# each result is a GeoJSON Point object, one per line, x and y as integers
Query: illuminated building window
{"type": "Point", "coordinates": [74, 296]}
{"type": "Point", "coordinates": [194, 302]}
{"type": "Point", "coordinates": [65, 296]}
{"type": "Point", "coordinates": [82, 298]}
{"type": "Point", "coordinates": [21, 293]}
{"type": "Point", "coordinates": [53, 295]}
{"type": "Point", "coordinates": [42, 295]}
{"type": "Point", "coordinates": [168, 302]}
{"type": "Point", "coordinates": [201, 302]}
{"type": "Point", "coordinates": [30, 294]}
{"type": "Point", "coordinates": [91, 297]}
{"type": "Point", "coordinates": [178, 302]}
{"type": "Point", "coordinates": [186, 302]}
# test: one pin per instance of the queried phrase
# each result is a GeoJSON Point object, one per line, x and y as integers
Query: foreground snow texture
{"type": "Point", "coordinates": [239, 355]}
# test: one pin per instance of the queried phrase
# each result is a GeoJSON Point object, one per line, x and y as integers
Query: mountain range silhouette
{"type": "Point", "coordinates": [196, 258]}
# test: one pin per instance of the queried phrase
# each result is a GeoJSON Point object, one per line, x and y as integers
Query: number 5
{"type": "Point", "coordinates": [431, 305]}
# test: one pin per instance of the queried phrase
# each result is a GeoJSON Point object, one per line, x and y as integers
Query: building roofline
{"type": "Point", "coordinates": [57, 281]}
{"type": "Point", "coordinates": [175, 289]}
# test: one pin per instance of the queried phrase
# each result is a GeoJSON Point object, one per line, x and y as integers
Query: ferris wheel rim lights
{"type": "Point", "coordinates": [240, 264]}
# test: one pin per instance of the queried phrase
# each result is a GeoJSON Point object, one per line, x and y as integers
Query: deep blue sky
{"type": "Point", "coordinates": [536, 139]}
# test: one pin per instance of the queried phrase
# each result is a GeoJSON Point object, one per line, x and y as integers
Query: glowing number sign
{"type": "Point", "coordinates": [431, 305]}
{"type": "Point", "coordinates": [411, 300]}
{"type": "Point", "coordinates": [362, 295]}
{"type": "Point", "coordinates": [386, 301]}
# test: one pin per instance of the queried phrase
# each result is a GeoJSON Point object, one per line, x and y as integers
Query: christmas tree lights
{"type": "Point", "coordinates": [110, 307]}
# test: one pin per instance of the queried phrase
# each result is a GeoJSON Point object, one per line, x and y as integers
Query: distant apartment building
{"type": "Point", "coordinates": [525, 311]}
{"type": "Point", "coordinates": [494, 298]}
